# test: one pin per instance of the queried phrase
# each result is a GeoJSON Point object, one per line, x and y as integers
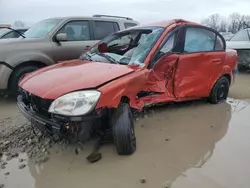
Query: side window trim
{"type": "Point", "coordinates": [77, 20]}
{"type": "Point", "coordinates": [215, 42]}
{"type": "Point", "coordinates": [209, 29]}
{"type": "Point", "coordinates": [167, 37]}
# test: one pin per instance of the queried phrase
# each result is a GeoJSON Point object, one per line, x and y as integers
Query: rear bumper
{"type": "Point", "coordinates": [5, 72]}
{"type": "Point", "coordinates": [54, 128]}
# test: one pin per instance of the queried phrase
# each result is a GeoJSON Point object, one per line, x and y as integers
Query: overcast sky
{"type": "Point", "coordinates": [31, 11]}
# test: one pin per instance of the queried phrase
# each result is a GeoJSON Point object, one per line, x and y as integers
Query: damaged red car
{"type": "Point", "coordinates": [175, 60]}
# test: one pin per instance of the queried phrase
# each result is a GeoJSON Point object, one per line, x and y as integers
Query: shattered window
{"type": "Point", "coordinates": [199, 40]}
{"type": "Point", "coordinates": [129, 47]}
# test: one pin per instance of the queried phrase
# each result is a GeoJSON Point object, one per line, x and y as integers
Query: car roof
{"type": "Point", "coordinates": [166, 23]}
{"type": "Point", "coordinates": [123, 19]}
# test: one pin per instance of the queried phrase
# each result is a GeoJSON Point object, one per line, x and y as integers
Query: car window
{"type": "Point", "coordinates": [127, 25]}
{"type": "Point", "coordinates": [199, 40]}
{"type": "Point", "coordinates": [41, 29]}
{"type": "Point", "coordinates": [219, 44]}
{"type": "Point", "coordinates": [3, 31]}
{"type": "Point", "coordinates": [22, 30]}
{"type": "Point", "coordinates": [240, 36]}
{"type": "Point", "coordinates": [77, 30]}
{"type": "Point", "coordinates": [103, 29]}
{"type": "Point", "coordinates": [124, 47]}
{"type": "Point", "coordinates": [121, 41]}
{"type": "Point", "coordinates": [9, 35]}
{"type": "Point", "coordinates": [168, 45]}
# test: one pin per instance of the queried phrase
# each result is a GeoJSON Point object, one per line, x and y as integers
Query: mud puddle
{"type": "Point", "coordinates": [188, 144]}
{"type": "Point", "coordinates": [241, 87]}
{"type": "Point", "coordinates": [192, 144]}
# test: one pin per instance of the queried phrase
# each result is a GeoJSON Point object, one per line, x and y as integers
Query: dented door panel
{"type": "Point", "coordinates": [195, 73]}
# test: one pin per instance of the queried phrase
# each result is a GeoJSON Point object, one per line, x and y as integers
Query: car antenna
{"type": "Point", "coordinates": [17, 32]}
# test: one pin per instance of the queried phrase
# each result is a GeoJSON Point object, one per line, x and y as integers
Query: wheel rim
{"type": "Point", "coordinates": [222, 92]}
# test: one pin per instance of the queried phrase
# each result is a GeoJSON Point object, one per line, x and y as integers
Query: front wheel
{"type": "Point", "coordinates": [220, 91]}
{"type": "Point", "coordinates": [16, 77]}
{"type": "Point", "coordinates": [123, 130]}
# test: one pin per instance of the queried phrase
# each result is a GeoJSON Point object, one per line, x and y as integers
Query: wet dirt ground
{"type": "Point", "coordinates": [185, 145]}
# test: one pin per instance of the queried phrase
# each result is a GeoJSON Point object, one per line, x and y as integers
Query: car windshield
{"type": "Point", "coordinates": [129, 47]}
{"type": "Point", "coordinates": [41, 29]}
{"type": "Point", "coordinates": [3, 31]}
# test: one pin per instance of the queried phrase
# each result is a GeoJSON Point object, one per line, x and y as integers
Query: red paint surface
{"type": "Point", "coordinates": [53, 81]}
{"type": "Point", "coordinates": [175, 77]}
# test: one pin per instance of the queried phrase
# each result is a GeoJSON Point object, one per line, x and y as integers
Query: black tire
{"type": "Point", "coordinates": [123, 130]}
{"type": "Point", "coordinates": [220, 91]}
{"type": "Point", "coordinates": [17, 75]}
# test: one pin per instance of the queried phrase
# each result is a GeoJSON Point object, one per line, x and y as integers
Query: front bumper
{"type": "Point", "coordinates": [55, 127]}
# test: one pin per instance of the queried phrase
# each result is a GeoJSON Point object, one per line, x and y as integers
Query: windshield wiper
{"type": "Point", "coordinates": [18, 32]}
{"type": "Point", "coordinates": [109, 58]}
{"type": "Point", "coordinates": [86, 56]}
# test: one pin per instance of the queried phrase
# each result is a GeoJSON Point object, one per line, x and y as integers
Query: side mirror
{"type": "Point", "coordinates": [61, 37]}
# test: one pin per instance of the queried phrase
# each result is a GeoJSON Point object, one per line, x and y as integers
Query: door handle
{"type": "Point", "coordinates": [216, 61]}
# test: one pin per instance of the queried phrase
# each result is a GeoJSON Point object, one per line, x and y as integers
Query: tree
{"type": "Point", "coordinates": [18, 23]}
{"type": "Point", "coordinates": [212, 21]}
{"type": "Point", "coordinates": [222, 26]}
{"type": "Point", "coordinates": [234, 20]}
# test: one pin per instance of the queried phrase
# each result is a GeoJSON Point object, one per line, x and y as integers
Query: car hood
{"type": "Point", "coordinates": [54, 81]}
{"type": "Point", "coordinates": [238, 45]}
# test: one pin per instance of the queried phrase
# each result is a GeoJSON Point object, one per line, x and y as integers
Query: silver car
{"type": "Point", "coordinates": [241, 42]}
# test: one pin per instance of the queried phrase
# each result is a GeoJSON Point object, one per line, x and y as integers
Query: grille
{"type": "Point", "coordinates": [38, 104]}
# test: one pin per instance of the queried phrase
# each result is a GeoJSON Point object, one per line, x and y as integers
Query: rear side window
{"type": "Point", "coordinates": [103, 29]}
{"type": "Point", "coordinates": [128, 25]}
{"type": "Point", "coordinates": [199, 40]}
{"type": "Point", "coordinates": [241, 36]}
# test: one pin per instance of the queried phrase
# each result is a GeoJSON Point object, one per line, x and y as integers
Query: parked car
{"type": "Point", "coordinates": [6, 33]}
{"type": "Point", "coordinates": [241, 42]}
{"type": "Point", "coordinates": [227, 35]}
{"type": "Point", "coordinates": [175, 60]}
{"type": "Point", "coordinates": [53, 40]}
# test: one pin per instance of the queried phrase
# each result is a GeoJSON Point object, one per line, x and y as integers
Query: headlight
{"type": "Point", "coordinates": [75, 103]}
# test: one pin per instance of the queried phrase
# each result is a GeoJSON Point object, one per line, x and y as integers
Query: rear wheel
{"type": "Point", "coordinates": [123, 130]}
{"type": "Point", "coordinates": [220, 91]}
{"type": "Point", "coordinates": [17, 75]}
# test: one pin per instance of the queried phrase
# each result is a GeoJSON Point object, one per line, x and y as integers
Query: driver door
{"type": "Point", "coordinates": [164, 65]}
